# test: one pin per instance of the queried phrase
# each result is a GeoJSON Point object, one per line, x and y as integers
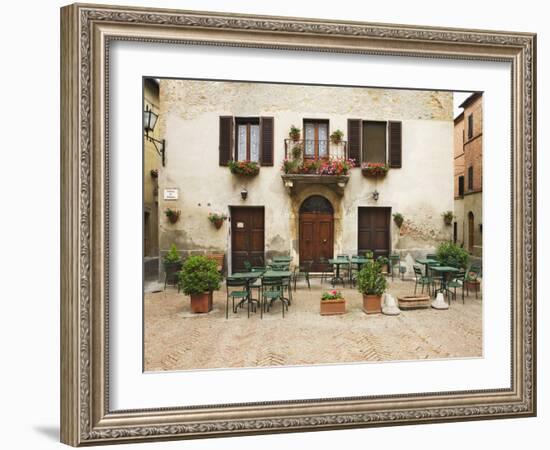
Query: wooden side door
{"type": "Point", "coordinates": [374, 231]}
{"type": "Point", "coordinates": [247, 237]}
{"type": "Point", "coordinates": [316, 239]}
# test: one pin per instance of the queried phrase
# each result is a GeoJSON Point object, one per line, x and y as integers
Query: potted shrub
{"type": "Point", "coordinates": [372, 284]}
{"type": "Point", "coordinates": [172, 263]}
{"type": "Point", "coordinates": [451, 254]}
{"type": "Point", "coordinates": [217, 219]}
{"type": "Point", "coordinates": [244, 168]}
{"type": "Point", "coordinates": [336, 136]}
{"type": "Point", "coordinates": [370, 169]}
{"type": "Point", "coordinates": [294, 133]}
{"type": "Point", "coordinates": [383, 262]}
{"type": "Point", "coordinates": [332, 302]}
{"type": "Point", "coordinates": [398, 219]}
{"type": "Point", "coordinates": [448, 217]}
{"type": "Point", "coordinates": [199, 278]}
{"type": "Point", "coordinates": [297, 150]}
{"type": "Point", "coordinates": [172, 214]}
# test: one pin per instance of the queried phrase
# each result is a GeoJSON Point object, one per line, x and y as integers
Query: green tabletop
{"type": "Point", "coordinates": [282, 259]}
{"type": "Point", "coordinates": [245, 275]}
{"type": "Point", "coordinates": [426, 261]}
{"type": "Point", "coordinates": [361, 260]}
{"type": "Point", "coordinates": [276, 274]}
{"type": "Point", "coordinates": [338, 261]}
{"type": "Point", "coordinates": [445, 269]}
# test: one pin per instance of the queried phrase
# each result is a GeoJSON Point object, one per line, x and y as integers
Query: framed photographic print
{"type": "Point", "coordinates": [280, 224]}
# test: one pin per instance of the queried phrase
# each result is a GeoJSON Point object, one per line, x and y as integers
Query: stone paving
{"type": "Point", "coordinates": [176, 339]}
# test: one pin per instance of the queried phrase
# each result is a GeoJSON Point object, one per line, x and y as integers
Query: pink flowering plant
{"type": "Point", "coordinates": [371, 169]}
{"type": "Point", "coordinates": [332, 295]}
{"type": "Point", "coordinates": [328, 166]}
{"type": "Point", "coordinates": [216, 216]}
{"type": "Point", "coordinates": [247, 168]}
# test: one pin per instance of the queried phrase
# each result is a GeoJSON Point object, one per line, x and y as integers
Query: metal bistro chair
{"type": "Point", "coordinates": [457, 281]}
{"type": "Point", "coordinates": [422, 280]}
{"type": "Point", "coordinates": [286, 281]}
{"type": "Point", "coordinates": [327, 270]}
{"type": "Point", "coordinates": [472, 275]}
{"type": "Point", "coordinates": [302, 271]}
{"type": "Point", "coordinates": [435, 277]}
{"type": "Point", "coordinates": [272, 290]}
{"type": "Point", "coordinates": [346, 268]}
{"type": "Point", "coordinates": [395, 261]}
{"type": "Point", "coordinates": [241, 295]}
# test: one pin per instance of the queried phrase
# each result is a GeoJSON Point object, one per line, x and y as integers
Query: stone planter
{"type": "Point", "coordinates": [413, 301]}
{"type": "Point", "coordinates": [332, 307]}
{"type": "Point", "coordinates": [372, 304]}
{"type": "Point", "coordinates": [201, 303]}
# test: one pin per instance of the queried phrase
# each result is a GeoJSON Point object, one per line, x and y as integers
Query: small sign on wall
{"type": "Point", "coordinates": [171, 194]}
{"type": "Point", "coordinates": [240, 224]}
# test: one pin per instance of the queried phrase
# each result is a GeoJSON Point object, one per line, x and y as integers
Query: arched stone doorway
{"type": "Point", "coordinates": [316, 231]}
{"type": "Point", "coordinates": [471, 232]}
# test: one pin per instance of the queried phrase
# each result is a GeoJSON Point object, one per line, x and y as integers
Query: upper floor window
{"type": "Point", "coordinates": [461, 185]}
{"type": "Point", "coordinates": [470, 126]}
{"type": "Point", "coordinates": [374, 142]}
{"type": "Point", "coordinates": [315, 139]}
{"type": "Point", "coordinates": [471, 178]}
{"type": "Point", "coordinates": [247, 139]}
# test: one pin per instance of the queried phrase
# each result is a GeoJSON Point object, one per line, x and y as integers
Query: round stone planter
{"type": "Point", "coordinates": [372, 304]}
{"type": "Point", "coordinates": [414, 301]}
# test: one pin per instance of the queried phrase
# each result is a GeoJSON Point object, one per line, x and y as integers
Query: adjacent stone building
{"type": "Point", "coordinates": [468, 175]}
{"type": "Point", "coordinates": [302, 202]}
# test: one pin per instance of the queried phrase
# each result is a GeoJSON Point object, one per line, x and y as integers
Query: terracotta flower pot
{"type": "Point", "coordinates": [372, 304]}
{"type": "Point", "coordinates": [173, 218]}
{"type": "Point", "coordinates": [218, 223]}
{"type": "Point", "coordinates": [201, 303]}
{"type": "Point", "coordinates": [332, 307]}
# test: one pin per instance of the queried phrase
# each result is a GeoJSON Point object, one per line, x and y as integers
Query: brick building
{"type": "Point", "coordinates": [468, 175]}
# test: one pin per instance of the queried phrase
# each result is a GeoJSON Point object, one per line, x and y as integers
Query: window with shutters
{"type": "Point", "coordinates": [471, 178]}
{"type": "Point", "coordinates": [247, 139]}
{"type": "Point", "coordinates": [374, 142]}
{"type": "Point", "coordinates": [470, 126]}
{"type": "Point", "coordinates": [461, 186]}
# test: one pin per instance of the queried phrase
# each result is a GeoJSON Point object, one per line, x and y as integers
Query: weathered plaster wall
{"type": "Point", "coordinates": [151, 160]}
{"type": "Point", "coordinates": [421, 190]}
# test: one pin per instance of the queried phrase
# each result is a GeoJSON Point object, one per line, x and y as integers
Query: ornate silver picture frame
{"type": "Point", "coordinates": [87, 32]}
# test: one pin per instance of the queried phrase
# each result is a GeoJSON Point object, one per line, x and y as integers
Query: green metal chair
{"type": "Point", "coordinates": [328, 270]}
{"type": "Point", "coordinates": [242, 295]}
{"type": "Point", "coordinates": [395, 261]}
{"type": "Point", "coordinates": [272, 290]}
{"type": "Point", "coordinates": [472, 275]}
{"type": "Point", "coordinates": [457, 281]}
{"type": "Point", "coordinates": [302, 271]}
{"type": "Point", "coordinates": [422, 280]}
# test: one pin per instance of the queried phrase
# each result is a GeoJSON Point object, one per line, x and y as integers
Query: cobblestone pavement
{"type": "Point", "coordinates": [176, 339]}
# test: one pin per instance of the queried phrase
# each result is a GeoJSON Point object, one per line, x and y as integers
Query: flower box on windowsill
{"type": "Point", "coordinates": [244, 168]}
{"type": "Point", "coordinates": [374, 169]}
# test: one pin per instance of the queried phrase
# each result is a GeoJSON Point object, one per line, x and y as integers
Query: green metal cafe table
{"type": "Point", "coordinates": [445, 270]}
{"type": "Point", "coordinates": [426, 262]}
{"type": "Point", "coordinates": [338, 262]}
{"type": "Point", "coordinates": [248, 276]}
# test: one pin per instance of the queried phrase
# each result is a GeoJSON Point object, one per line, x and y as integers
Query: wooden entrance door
{"type": "Point", "coordinates": [316, 232]}
{"type": "Point", "coordinates": [247, 237]}
{"type": "Point", "coordinates": [374, 231]}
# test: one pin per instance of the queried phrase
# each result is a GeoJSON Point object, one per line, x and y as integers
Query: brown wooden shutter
{"type": "Point", "coordinates": [394, 144]}
{"type": "Point", "coordinates": [354, 140]}
{"type": "Point", "coordinates": [267, 141]}
{"type": "Point", "coordinates": [226, 139]}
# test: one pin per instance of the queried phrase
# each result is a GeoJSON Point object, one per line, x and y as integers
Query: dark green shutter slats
{"type": "Point", "coordinates": [354, 140]}
{"type": "Point", "coordinates": [226, 139]}
{"type": "Point", "coordinates": [395, 152]}
{"type": "Point", "coordinates": [267, 141]}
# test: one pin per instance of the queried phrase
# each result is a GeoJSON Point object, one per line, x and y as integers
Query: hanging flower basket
{"type": "Point", "coordinates": [217, 219]}
{"type": "Point", "coordinates": [374, 169]}
{"type": "Point", "coordinates": [172, 214]}
{"type": "Point", "coordinates": [448, 217]}
{"type": "Point", "coordinates": [244, 168]}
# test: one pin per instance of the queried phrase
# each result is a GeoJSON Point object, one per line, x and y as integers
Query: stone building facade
{"type": "Point", "coordinates": [468, 175]}
{"type": "Point", "coordinates": [309, 216]}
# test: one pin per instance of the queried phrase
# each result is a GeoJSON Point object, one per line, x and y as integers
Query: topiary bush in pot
{"type": "Point", "coordinates": [372, 283]}
{"type": "Point", "coordinates": [199, 277]}
{"type": "Point", "coordinates": [450, 254]}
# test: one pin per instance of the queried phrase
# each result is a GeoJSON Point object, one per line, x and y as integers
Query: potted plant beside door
{"type": "Point", "coordinates": [372, 283]}
{"type": "Point", "coordinates": [199, 278]}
